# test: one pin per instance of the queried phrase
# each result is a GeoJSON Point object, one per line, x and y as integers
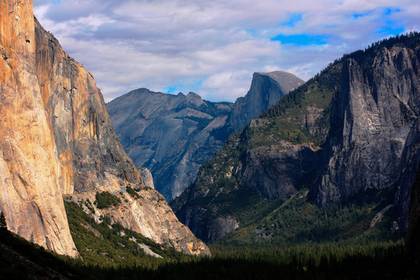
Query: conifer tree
{"type": "Point", "coordinates": [3, 224]}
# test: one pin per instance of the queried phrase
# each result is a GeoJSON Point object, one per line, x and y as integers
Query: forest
{"type": "Point", "coordinates": [20, 259]}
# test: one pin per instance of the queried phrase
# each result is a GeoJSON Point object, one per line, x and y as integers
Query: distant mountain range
{"type": "Point", "coordinates": [173, 135]}
{"type": "Point", "coordinates": [334, 160]}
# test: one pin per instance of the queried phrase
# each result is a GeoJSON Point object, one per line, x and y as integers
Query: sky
{"type": "Point", "coordinates": [213, 47]}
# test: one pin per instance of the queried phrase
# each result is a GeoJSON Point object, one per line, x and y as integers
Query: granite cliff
{"type": "Point", "coordinates": [57, 140]}
{"type": "Point", "coordinates": [31, 193]}
{"type": "Point", "coordinates": [173, 135]}
{"type": "Point", "coordinates": [265, 91]}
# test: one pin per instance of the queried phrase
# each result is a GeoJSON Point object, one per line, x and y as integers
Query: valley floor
{"type": "Point", "coordinates": [388, 260]}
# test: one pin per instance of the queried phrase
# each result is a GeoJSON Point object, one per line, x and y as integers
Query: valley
{"type": "Point", "coordinates": [173, 135]}
{"type": "Point", "coordinates": [319, 138]}
{"type": "Point", "coordinates": [303, 180]}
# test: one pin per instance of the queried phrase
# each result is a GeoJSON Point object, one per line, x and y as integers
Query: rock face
{"type": "Point", "coordinates": [373, 113]}
{"type": "Point", "coordinates": [173, 135]}
{"type": "Point", "coordinates": [31, 193]}
{"type": "Point", "coordinates": [413, 243]}
{"type": "Point", "coordinates": [408, 199]}
{"type": "Point", "coordinates": [58, 140]}
{"type": "Point", "coordinates": [349, 135]}
{"type": "Point", "coordinates": [147, 178]}
{"type": "Point", "coordinates": [266, 90]}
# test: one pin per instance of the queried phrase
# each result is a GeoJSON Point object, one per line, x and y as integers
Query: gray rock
{"type": "Point", "coordinates": [266, 90]}
{"type": "Point", "coordinates": [173, 135]}
{"type": "Point", "coordinates": [373, 112]}
{"type": "Point", "coordinates": [147, 177]}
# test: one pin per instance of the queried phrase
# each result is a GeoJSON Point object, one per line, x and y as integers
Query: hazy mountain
{"type": "Point", "coordinates": [173, 135]}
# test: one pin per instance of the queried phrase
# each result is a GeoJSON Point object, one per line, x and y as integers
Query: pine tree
{"type": "Point", "coordinates": [3, 224]}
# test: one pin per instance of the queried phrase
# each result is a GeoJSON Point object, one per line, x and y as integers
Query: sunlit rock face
{"type": "Point", "coordinates": [57, 139]}
{"type": "Point", "coordinates": [31, 193]}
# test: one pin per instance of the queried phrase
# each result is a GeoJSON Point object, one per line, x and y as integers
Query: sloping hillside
{"type": "Point", "coordinates": [340, 136]}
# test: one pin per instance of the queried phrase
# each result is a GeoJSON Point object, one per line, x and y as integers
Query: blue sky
{"type": "Point", "coordinates": [213, 47]}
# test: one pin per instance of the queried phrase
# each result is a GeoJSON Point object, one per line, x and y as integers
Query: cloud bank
{"type": "Point", "coordinates": [213, 47]}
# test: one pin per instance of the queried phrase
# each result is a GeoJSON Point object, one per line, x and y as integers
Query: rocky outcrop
{"type": "Point", "coordinates": [173, 135]}
{"type": "Point", "coordinates": [147, 177]}
{"type": "Point", "coordinates": [349, 135]}
{"type": "Point", "coordinates": [58, 140]}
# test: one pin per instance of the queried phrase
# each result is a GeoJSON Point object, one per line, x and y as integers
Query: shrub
{"type": "Point", "coordinates": [106, 200]}
{"type": "Point", "coordinates": [132, 192]}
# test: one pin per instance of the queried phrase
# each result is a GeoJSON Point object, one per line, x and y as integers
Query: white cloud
{"type": "Point", "coordinates": [214, 44]}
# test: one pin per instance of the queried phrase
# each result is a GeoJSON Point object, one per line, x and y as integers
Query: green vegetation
{"type": "Point", "coordinates": [106, 200]}
{"type": "Point", "coordinates": [108, 244]}
{"type": "Point", "coordinates": [302, 116]}
{"type": "Point", "coordinates": [297, 221]}
{"type": "Point", "coordinates": [132, 192]}
{"type": "Point", "coordinates": [20, 259]}
{"type": "Point", "coordinates": [108, 252]}
{"type": "Point", "coordinates": [309, 253]}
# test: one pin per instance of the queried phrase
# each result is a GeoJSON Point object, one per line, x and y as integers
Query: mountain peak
{"type": "Point", "coordinates": [265, 91]}
{"type": "Point", "coordinates": [193, 95]}
{"type": "Point", "coordinates": [194, 98]}
{"type": "Point", "coordinates": [286, 81]}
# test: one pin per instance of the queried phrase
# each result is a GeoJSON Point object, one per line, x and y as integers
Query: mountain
{"type": "Point", "coordinates": [173, 135]}
{"type": "Point", "coordinates": [266, 90]}
{"type": "Point", "coordinates": [56, 139]}
{"type": "Point", "coordinates": [332, 151]}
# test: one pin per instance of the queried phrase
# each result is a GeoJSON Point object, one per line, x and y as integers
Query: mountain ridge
{"type": "Point", "coordinates": [173, 135]}
{"type": "Point", "coordinates": [291, 148]}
